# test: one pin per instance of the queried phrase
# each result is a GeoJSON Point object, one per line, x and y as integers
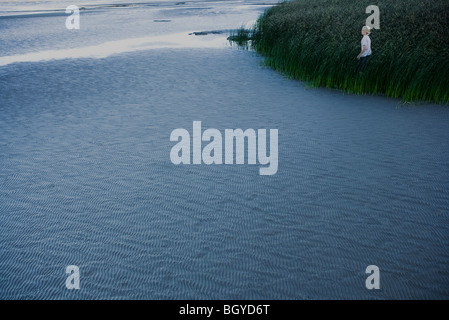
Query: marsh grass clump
{"type": "Point", "coordinates": [242, 37]}
{"type": "Point", "coordinates": [317, 41]}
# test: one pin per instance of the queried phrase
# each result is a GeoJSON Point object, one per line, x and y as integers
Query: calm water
{"type": "Point", "coordinates": [86, 177]}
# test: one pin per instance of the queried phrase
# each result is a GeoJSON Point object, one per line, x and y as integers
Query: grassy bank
{"type": "Point", "coordinates": [318, 41]}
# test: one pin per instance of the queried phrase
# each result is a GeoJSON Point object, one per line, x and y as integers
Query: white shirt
{"type": "Point", "coordinates": [366, 41]}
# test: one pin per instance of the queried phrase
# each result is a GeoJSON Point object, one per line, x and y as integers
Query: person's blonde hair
{"type": "Point", "coordinates": [367, 29]}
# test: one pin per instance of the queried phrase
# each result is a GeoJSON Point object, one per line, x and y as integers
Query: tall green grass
{"type": "Point", "coordinates": [318, 41]}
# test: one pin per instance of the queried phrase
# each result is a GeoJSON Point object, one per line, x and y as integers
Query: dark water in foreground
{"type": "Point", "coordinates": [86, 179]}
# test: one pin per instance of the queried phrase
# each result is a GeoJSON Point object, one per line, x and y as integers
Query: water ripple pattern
{"type": "Point", "coordinates": [86, 179]}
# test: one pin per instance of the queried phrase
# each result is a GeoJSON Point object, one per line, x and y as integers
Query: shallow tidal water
{"type": "Point", "coordinates": [86, 177]}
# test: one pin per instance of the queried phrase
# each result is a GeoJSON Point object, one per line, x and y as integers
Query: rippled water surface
{"type": "Point", "coordinates": [86, 177]}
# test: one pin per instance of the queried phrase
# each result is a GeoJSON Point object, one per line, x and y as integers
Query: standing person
{"type": "Point", "coordinates": [365, 54]}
